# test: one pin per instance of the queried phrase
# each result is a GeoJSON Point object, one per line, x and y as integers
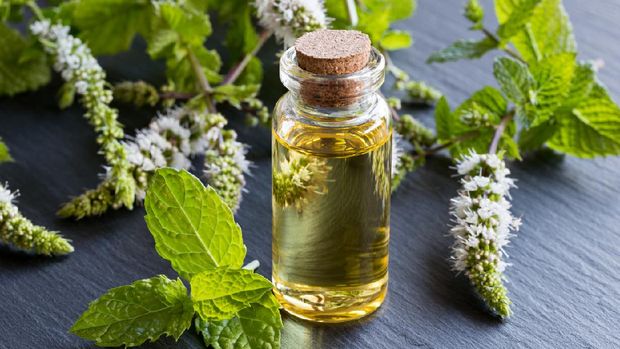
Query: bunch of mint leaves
{"type": "Point", "coordinates": [557, 99]}
{"type": "Point", "coordinates": [194, 230]}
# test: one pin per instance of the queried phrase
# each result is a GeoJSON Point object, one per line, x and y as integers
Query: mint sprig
{"type": "Point", "coordinates": [194, 230]}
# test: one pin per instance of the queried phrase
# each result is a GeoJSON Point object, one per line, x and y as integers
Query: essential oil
{"type": "Point", "coordinates": [331, 180]}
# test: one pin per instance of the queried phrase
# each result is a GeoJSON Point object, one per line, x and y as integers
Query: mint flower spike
{"type": "Point", "coordinates": [225, 167]}
{"type": "Point", "coordinates": [19, 232]}
{"type": "Point", "coordinates": [290, 19]}
{"type": "Point", "coordinates": [171, 140]}
{"type": "Point", "coordinates": [483, 226]}
{"type": "Point", "coordinates": [299, 179]}
{"type": "Point", "coordinates": [77, 66]}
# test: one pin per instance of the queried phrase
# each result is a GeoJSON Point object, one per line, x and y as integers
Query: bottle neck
{"type": "Point", "coordinates": [332, 95]}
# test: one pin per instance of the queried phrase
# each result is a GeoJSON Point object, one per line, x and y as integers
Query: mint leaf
{"type": "Point", "coordinates": [396, 40]}
{"type": "Point", "coordinates": [109, 26]}
{"type": "Point", "coordinates": [514, 79]}
{"type": "Point", "coordinates": [220, 293]}
{"type": "Point", "coordinates": [519, 16]}
{"type": "Point", "coordinates": [4, 152]}
{"type": "Point", "coordinates": [488, 102]}
{"type": "Point", "coordinates": [130, 315]}
{"type": "Point", "coordinates": [553, 77]}
{"type": "Point", "coordinates": [255, 327]}
{"type": "Point", "coordinates": [533, 138]}
{"type": "Point", "coordinates": [192, 227]}
{"type": "Point", "coordinates": [463, 49]}
{"type": "Point", "coordinates": [591, 129]}
{"type": "Point", "coordinates": [179, 69]}
{"type": "Point", "coordinates": [235, 94]}
{"type": "Point", "coordinates": [443, 119]}
{"type": "Point", "coordinates": [191, 26]}
{"type": "Point", "coordinates": [584, 79]}
{"type": "Point", "coordinates": [23, 67]}
{"type": "Point", "coordinates": [547, 32]}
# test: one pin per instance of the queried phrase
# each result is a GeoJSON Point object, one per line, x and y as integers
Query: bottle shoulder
{"type": "Point", "coordinates": [341, 133]}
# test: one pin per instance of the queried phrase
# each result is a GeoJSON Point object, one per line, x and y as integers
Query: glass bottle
{"type": "Point", "coordinates": [331, 153]}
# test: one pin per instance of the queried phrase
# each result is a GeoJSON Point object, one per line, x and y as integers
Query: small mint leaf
{"type": "Point", "coordinates": [463, 49]}
{"type": "Point", "coordinates": [553, 77]}
{"type": "Point", "coordinates": [255, 327]}
{"type": "Point", "coordinates": [514, 79]}
{"type": "Point", "coordinates": [23, 67]}
{"type": "Point", "coordinates": [395, 40]}
{"type": "Point", "coordinates": [132, 314]}
{"type": "Point", "coordinates": [517, 19]}
{"type": "Point", "coordinates": [220, 293]}
{"type": "Point", "coordinates": [4, 152]}
{"type": "Point", "coordinates": [192, 227]}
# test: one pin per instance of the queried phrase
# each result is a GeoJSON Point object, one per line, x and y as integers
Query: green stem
{"type": "Point", "coordinates": [36, 10]}
{"type": "Point", "coordinates": [352, 12]}
{"type": "Point", "coordinates": [203, 83]}
{"type": "Point", "coordinates": [432, 150]}
{"type": "Point", "coordinates": [234, 73]}
{"type": "Point", "coordinates": [508, 50]}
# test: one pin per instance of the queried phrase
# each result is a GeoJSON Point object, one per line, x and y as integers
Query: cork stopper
{"type": "Point", "coordinates": [333, 52]}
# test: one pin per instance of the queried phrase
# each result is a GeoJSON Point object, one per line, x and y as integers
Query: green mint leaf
{"type": "Point", "coordinates": [191, 26]}
{"type": "Point", "coordinates": [509, 146]}
{"type": "Point", "coordinates": [547, 32]}
{"type": "Point", "coordinates": [443, 119]}
{"type": "Point", "coordinates": [23, 66]}
{"type": "Point", "coordinates": [474, 12]}
{"type": "Point", "coordinates": [4, 152]}
{"type": "Point", "coordinates": [132, 314]}
{"type": "Point", "coordinates": [252, 74]}
{"type": "Point", "coordinates": [584, 79]}
{"type": "Point", "coordinates": [192, 227]}
{"type": "Point", "coordinates": [518, 17]}
{"type": "Point", "coordinates": [591, 129]}
{"type": "Point", "coordinates": [514, 79]}
{"type": "Point", "coordinates": [463, 49]}
{"type": "Point", "coordinates": [374, 23]}
{"type": "Point", "coordinates": [180, 72]}
{"type": "Point", "coordinates": [398, 9]}
{"type": "Point", "coordinates": [220, 293]}
{"type": "Point", "coordinates": [109, 26]}
{"type": "Point", "coordinates": [255, 327]}
{"type": "Point", "coordinates": [533, 138]}
{"type": "Point", "coordinates": [241, 37]}
{"type": "Point", "coordinates": [396, 40]}
{"type": "Point", "coordinates": [235, 94]}
{"type": "Point", "coordinates": [66, 95]}
{"type": "Point", "coordinates": [553, 77]}
{"type": "Point", "coordinates": [487, 102]}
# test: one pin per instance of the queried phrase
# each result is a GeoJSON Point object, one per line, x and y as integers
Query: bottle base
{"type": "Point", "coordinates": [333, 304]}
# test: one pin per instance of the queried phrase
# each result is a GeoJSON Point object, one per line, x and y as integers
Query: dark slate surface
{"type": "Point", "coordinates": [564, 281]}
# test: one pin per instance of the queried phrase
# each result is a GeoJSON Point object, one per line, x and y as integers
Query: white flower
{"type": "Point", "coordinates": [289, 19]}
{"type": "Point", "coordinates": [6, 196]}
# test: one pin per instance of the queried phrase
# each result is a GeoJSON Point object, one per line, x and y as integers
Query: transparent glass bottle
{"type": "Point", "coordinates": [331, 152]}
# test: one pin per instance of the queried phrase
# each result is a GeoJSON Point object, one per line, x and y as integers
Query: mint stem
{"type": "Point", "coordinates": [203, 83]}
{"type": "Point", "coordinates": [235, 71]}
{"type": "Point", "coordinates": [508, 50]}
{"type": "Point", "coordinates": [499, 131]}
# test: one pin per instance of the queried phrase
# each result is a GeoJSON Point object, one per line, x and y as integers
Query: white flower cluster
{"type": "Point", "coordinates": [289, 19]}
{"type": "Point", "coordinates": [6, 196]}
{"type": "Point", "coordinates": [482, 213]}
{"type": "Point", "coordinates": [72, 59]}
{"type": "Point", "coordinates": [172, 139]}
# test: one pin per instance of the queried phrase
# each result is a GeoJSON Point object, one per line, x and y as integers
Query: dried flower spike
{"type": "Point", "coordinates": [483, 225]}
{"type": "Point", "coordinates": [19, 232]}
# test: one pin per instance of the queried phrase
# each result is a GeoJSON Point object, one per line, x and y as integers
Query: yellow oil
{"type": "Point", "coordinates": [331, 221]}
